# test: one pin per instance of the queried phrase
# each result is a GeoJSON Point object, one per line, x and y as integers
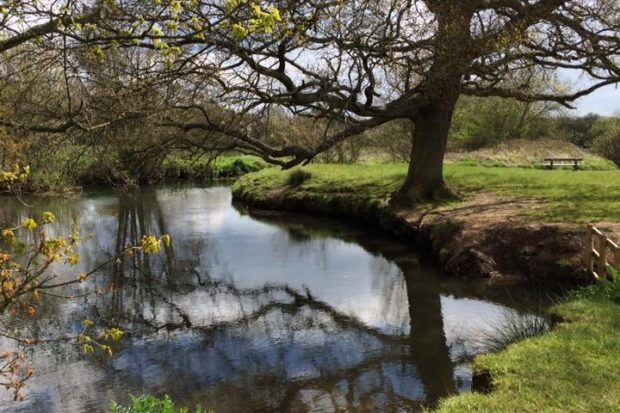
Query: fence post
{"type": "Point", "coordinates": [589, 262]}
{"type": "Point", "coordinates": [602, 256]}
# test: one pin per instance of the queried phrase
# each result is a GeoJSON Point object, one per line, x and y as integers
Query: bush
{"type": "Point", "coordinates": [236, 168]}
{"type": "Point", "coordinates": [484, 122]}
{"type": "Point", "coordinates": [298, 177]}
{"type": "Point", "coordinates": [150, 404]}
{"type": "Point", "coordinates": [581, 130]}
{"type": "Point", "coordinates": [602, 290]}
{"type": "Point", "coordinates": [608, 144]}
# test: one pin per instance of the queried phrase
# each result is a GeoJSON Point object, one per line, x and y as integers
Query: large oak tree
{"type": "Point", "coordinates": [353, 64]}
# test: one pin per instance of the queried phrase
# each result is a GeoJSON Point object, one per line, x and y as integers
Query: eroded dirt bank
{"type": "Point", "coordinates": [484, 236]}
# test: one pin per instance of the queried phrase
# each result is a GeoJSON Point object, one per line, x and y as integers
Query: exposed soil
{"type": "Point", "coordinates": [494, 237]}
{"type": "Point", "coordinates": [484, 236]}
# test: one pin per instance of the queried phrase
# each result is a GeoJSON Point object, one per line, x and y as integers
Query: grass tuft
{"type": "Point", "coordinates": [297, 177]}
{"type": "Point", "coordinates": [150, 404]}
{"type": "Point", "coordinates": [513, 328]}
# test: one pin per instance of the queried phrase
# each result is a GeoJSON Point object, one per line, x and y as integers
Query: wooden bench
{"type": "Point", "coordinates": [551, 162]}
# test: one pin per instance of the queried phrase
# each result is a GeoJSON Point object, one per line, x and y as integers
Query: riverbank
{"type": "Point", "coordinates": [91, 172]}
{"type": "Point", "coordinates": [509, 224]}
{"type": "Point", "coordinates": [226, 166]}
{"type": "Point", "coordinates": [572, 368]}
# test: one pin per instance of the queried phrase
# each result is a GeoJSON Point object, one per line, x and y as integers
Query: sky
{"type": "Point", "coordinates": [604, 101]}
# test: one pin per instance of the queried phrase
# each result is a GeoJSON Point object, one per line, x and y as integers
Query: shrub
{"type": "Point", "coordinates": [608, 144]}
{"type": "Point", "coordinates": [602, 290]}
{"type": "Point", "coordinates": [298, 177]}
{"type": "Point", "coordinates": [239, 166]}
{"type": "Point", "coordinates": [485, 122]}
{"type": "Point", "coordinates": [150, 404]}
{"type": "Point", "coordinates": [176, 167]}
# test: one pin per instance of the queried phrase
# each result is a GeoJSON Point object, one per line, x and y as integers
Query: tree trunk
{"type": "Point", "coordinates": [430, 137]}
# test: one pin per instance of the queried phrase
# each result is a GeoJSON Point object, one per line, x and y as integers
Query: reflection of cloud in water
{"type": "Point", "coordinates": [195, 212]}
{"type": "Point", "coordinates": [302, 352]}
{"type": "Point", "coordinates": [337, 272]}
{"type": "Point", "coordinates": [281, 314]}
{"type": "Point", "coordinates": [467, 321]}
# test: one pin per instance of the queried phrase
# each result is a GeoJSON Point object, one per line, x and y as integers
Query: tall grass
{"type": "Point", "coordinates": [297, 177]}
{"type": "Point", "coordinates": [512, 328]}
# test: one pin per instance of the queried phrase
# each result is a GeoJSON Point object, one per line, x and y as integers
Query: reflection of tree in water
{"type": "Point", "coordinates": [293, 351]}
{"type": "Point", "coordinates": [205, 339]}
{"type": "Point", "coordinates": [277, 340]}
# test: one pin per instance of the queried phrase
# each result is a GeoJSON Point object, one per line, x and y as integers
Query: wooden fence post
{"type": "Point", "coordinates": [617, 258]}
{"type": "Point", "coordinates": [589, 262]}
{"type": "Point", "coordinates": [602, 255]}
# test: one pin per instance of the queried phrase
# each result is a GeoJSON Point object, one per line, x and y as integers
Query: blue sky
{"type": "Point", "coordinates": [605, 101]}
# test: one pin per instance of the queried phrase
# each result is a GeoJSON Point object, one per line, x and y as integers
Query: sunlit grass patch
{"type": "Point", "coordinates": [572, 368]}
{"type": "Point", "coordinates": [564, 195]}
{"type": "Point", "coordinates": [204, 168]}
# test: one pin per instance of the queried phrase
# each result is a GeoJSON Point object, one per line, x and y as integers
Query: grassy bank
{"type": "Point", "coordinates": [524, 153]}
{"type": "Point", "coordinates": [572, 368]}
{"type": "Point", "coordinates": [563, 195]}
{"type": "Point", "coordinates": [176, 168]}
{"type": "Point", "coordinates": [89, 170]}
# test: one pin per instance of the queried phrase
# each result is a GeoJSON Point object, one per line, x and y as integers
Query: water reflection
{"type": "Point", "coordinates": [252, 313]}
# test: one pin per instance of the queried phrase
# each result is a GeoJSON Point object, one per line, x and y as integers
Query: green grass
{"type": "Point", "coordinates": [569, 196]}
{"type": "Point", "coordinates": [150, 404]}
{"type": "Point", "coordinates": [370, 182]}
{"type": "Point", "coordinates": [573, 368]}
{"type": "Point", "coordinates": [202, 169]}
{"type": "Point", "coordinates": [566, 195]}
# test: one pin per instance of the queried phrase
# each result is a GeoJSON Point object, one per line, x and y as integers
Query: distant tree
{"type": "Point", "coordinates": [580, 130]}
{"type": "Point", "coordinates": [607, 143]}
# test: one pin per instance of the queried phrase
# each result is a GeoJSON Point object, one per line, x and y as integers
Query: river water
{"type": "Point", "coordinates": [252, 312]}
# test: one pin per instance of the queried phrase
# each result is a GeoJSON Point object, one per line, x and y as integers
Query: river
{"type": "Point", "coordinates": [252, 312]}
